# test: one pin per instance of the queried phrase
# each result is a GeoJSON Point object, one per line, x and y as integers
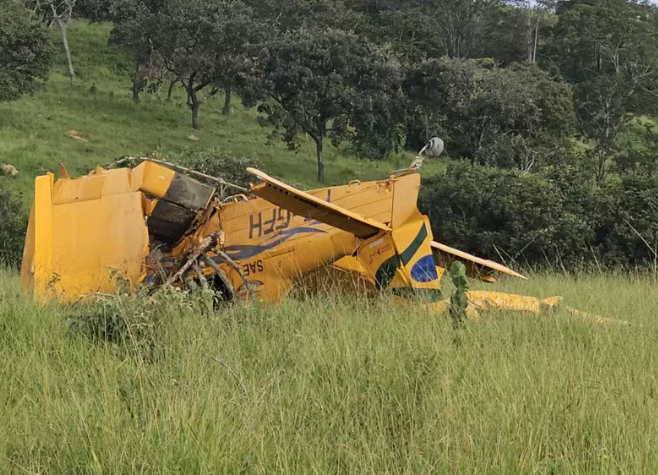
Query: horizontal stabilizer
{"type": "Point", "coordinates": [445, 255]}
{"type": "Point", "coordinates": [308, 206]}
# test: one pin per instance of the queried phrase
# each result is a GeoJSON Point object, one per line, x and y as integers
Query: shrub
{"type": "Point", "coordinates": [219, 163]}
{"type": "Point", "coordinates": [493, 213]}
{"type": "Point", "coordinates": [559, 219]}
{"type": "Point", "coordinates": [12, 227]}
{"type": "Point", "coordinates": [134, 325]}
{"type": "Point", "coordinates": [627, 222]}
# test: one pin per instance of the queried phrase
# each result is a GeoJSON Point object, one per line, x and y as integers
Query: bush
{"type": "Point", "coordinates": [134, 325]}
{"type": "Point", "coordinates": [12, 228]}
{"type": "Point", "coordinates": [492, 213]}
{"type": "Point", "coordinates": [627, 224]}
{"type": "Point", "coordinates": [559, 219]}
{"type": "Point", "coordinates": [219, 163]}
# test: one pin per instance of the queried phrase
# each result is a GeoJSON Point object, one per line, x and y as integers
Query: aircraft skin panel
{"type": "Point", "coordinates": [37, 253]}
{"type": "Point", "coordinates": [351, 264]}
{"type": "Point", "coordinates": [115, 223]}
{"type": "Point", "coordinates": [260, 218]}
{"type": "Point", "coordinates": [405, 206]}
{"type": "Point", "coordinates": [309, 206]}
{"type": "Point", "coordinates": [272, 267]}
{"type": "Point", "coordinates": [378, 258]}
{"type": "Point", "coordinates": [81, 232]}
{"type": "Point", "coordinates": [400, 261]}
{"type": "Point", "coordinates": [152, 178]}
{"type": "Point", "coordinates": [413, 244]}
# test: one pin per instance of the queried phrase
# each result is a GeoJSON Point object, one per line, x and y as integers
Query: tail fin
{"type": "Point", "coordinates": [86, 231]}
{"type": "Point", "coordinates": [82, 233]}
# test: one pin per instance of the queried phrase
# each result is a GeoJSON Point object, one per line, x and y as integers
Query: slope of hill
{"type": "Point", "coordinates": [34, 132]}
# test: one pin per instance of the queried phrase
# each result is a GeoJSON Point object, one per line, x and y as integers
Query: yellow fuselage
{"type": "Point", "coordinates": [273, 246]}
{"type": "Point", "coordinates": [86, 232]}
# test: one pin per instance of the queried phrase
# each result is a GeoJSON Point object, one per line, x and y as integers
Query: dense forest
{"type": "Point", "coordinates": [546, 107]}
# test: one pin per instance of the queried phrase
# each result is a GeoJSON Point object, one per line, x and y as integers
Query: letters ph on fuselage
{"type": "Point", "coordinates": [264, 223]}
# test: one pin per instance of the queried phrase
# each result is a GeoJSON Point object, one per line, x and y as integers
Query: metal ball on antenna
{"type": "Point", "coordinates": [433, 148]}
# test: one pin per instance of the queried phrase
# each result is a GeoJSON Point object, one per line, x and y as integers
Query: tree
{"type": "Point", "coordinates": [516, 30]}
{"type": "Point", "coordinates": [515, 117]}
{"type": "Point", "coordinates": [406, 27]}
{"type": "Point", "coordinates": [313, 81]}
{"type": "Point", "coordinates": [376, 122]}
{"type": "Point", "coordinates": [462, 23]}
{"type": "Point", "coordinates": [25, 51]}
{"type": "Point", "coordinates": [429, 29]}
{"type": "Point", "coordinates": [192, 39]}
{"type": "Point", "coordinates": [94, 10]}
{"type": "Point", "coordinates": [233, 68]}
{"type": "Point", "coordinates": [60, 12]}
{"type": "Point", "coordinates": [639, 152]}
{"type": "Point", "coordinates": [533, 16]}
{"type": "Point", "coordinates": [608, 51]}
{"type": "Point", "coordinates": [286, 15]}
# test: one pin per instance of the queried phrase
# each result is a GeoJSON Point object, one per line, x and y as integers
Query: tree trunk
{"type": "Point", "coordinates": [320, 155]}
{"type": "Point", "coordinates": [63, 27]}
{"type": "Point", "coordinates": [136, 84]}
{"type": "Point", "coordinates": [601, 168]}
{"type": "Point", "coordinates": [537, 27]}
{"type": "Point", "coordinates": [170, 92]}
{"type": "Point", "coordinates": [529, 37]}
{"type": "Point", "coordinates": [227, 101]}
{"type": "Point", "coordinates": [195, 104]}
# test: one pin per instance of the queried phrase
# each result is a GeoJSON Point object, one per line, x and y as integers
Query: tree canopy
{"type": "Point", "coordinates": [26, 51]}
{"type": "Point", "coordinates": [314, 81]}
{"type": "Point", "coordinates": [608, 51]}
{"type": "Point", "coordinates": [194, 40]}
{"type": "Point", "coordinates": [510, 118]}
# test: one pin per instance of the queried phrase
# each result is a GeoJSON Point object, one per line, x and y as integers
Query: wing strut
{"type": "Point", "coordinates": [444, 255]}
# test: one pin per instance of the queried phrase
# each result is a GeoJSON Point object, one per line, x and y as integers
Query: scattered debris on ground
{"type": "Point", "coordinates": [8, 169]}
{"type": "Point", "coordinates": [74, 135]}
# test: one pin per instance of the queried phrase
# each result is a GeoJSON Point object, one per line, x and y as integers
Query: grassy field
{"type": "Point", "coordinates": [328, 384]}
{"type": "Point", "coordinates": [335, 385]}
{"type": "Point", "coordinates": [34, 131]}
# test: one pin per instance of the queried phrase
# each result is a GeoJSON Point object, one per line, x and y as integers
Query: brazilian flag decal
{"type": "Point", "coordinates": [386, 271]}
{"type": "Point", "coordinates": [409, 252]}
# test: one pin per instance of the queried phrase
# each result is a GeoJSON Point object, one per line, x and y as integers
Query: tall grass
{"type": "Point", "coordinates": [336, 384]}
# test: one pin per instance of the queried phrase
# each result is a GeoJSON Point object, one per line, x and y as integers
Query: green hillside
{"type": "Point", "coordinates": [34, 131]}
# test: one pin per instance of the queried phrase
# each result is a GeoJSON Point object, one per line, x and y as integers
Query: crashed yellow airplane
{"type": "Point", "coordinates": [153, 225]}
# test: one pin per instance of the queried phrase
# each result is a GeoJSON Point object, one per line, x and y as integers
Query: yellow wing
{"type": "Point", "coordinates": [303, 204]}
{"type": "Point", "coordinates": [444, 255]}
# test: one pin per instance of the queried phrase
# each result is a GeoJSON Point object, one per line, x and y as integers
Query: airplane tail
{"type": "Point", "coordinates": [86, 232]}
